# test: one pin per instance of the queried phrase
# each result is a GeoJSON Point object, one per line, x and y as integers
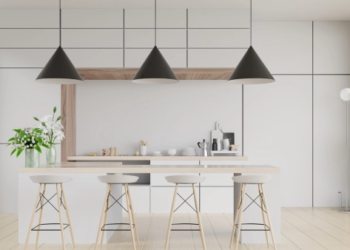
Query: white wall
{"type": "Point", "coordinates": [279, 129]}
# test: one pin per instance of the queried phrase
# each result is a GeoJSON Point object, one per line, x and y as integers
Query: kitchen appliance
{"type": "Point", "coordinates": [203, 146]}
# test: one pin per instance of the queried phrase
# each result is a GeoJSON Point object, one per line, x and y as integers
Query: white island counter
{"type": "Point", "coordinates": [85, 195]}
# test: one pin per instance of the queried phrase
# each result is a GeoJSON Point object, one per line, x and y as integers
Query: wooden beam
{"type": "Point", "coordinates": [68, 110]}
{"type": "Point", "coordinates": [182, 74]}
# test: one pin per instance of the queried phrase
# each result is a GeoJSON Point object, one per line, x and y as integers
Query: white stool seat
{"type": "Point", "coordinates": [185, 179]}
{"type": "Point", "coordinates": [50, 179]}
{"type": "Point", "coordinates": [118, 179]}
{"type": "Point", "coordinates": [252, 179]}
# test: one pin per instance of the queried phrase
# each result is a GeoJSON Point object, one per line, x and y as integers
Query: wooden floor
{"type": "Point", "coordinates": [302, 228]}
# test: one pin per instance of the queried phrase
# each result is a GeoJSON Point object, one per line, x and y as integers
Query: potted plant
{"type": "Point", "coordinates": [28, 140]}
{"type": "Point", "coordinates": [52, 131]}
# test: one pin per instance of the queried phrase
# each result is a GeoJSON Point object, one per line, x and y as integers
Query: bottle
{"type": "Point", "coordinates": [205, 153]}
{"type": "Point", "coordinates": [214, 146]}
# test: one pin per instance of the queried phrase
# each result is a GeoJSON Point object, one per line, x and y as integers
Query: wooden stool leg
{"type": "Point", "coordinates": [263, 216]}
{"type": "Point", "coordinates": [67, 213]}
{"type": "Point", "coordinates": [130, 219]}
{"type": "Point", "coordinates": [106, 213]}
{"type": "Point", "coordinates": [32, 219]}
{"type": "Point", "coordinates": [40, 216]}
{"type": "Point", "coordinates": [171, 218]}
{"type": "Point", "coordinates": [199, 217]}
{"type": "Point", "coordinates": [236, 216]}
{"type": "Point", "coordinates": [133, 216]}
{"type": "Point", "coordinates": [60, 215]}
{"type": "Point", "coordinates": [268, 217]}
{"type": "Point", "coordinates": [101, 220]}
{"type": "Point", "coordinates": [240, 215]}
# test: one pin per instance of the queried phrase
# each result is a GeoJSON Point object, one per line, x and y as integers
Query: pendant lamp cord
{"type": "Point", "coordinates": [251, 22]}
{"type": "Point", "coordinates": [60, 35]}
{"type": "Point", "coordinates": [155, 22]}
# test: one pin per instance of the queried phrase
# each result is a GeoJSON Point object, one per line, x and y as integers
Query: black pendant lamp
{"type": "Point", "coordinates": [59, 69]}
{"type": "Point", "coordinates": [251, 69]}
{"type": "Point", "coordinates": [155, 69]}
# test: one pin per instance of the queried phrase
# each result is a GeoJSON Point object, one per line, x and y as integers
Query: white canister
{"type": "Point", "coordinates": [226, 143]}
{"type": "Point", "coordinates": [143, 150]}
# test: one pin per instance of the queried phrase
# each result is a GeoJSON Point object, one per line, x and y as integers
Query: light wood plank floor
{"type": "Point", "coordinates": [302, 228]}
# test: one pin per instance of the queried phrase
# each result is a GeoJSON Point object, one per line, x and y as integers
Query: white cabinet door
{"type": "Point", "coordinates": [162, 198]}
{"type": "Point", "coordinates": [278, 132]}
{"type": "Point", "coordinates": [140, 197]}
{"type": "Point", "coordinates": [216, 199]}
{"type": "Point", "coordinates": [329, 140]}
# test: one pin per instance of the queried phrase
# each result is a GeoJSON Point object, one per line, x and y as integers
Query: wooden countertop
{"type": "Point", "coordinates": [158, 158]}
{"type": "Point", "coordinates": [115, 167]}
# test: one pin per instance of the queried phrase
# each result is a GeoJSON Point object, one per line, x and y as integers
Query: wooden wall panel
{"type": "Point", "coordinates": [68, 107]}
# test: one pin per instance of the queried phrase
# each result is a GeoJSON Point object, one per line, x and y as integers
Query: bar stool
{"type": "Point", "coordinates": [41, 201]}
{"type": "Point", "coordinates": [185, 179]}
{"type": "Point", "coordinates": [258, 180]}
{"type": "Point", "coordinates": [124, 180]}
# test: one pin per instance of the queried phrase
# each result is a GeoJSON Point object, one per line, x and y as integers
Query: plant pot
{"type": "Point", "coordinates": [51, 155]}
{"type": "Point", "coordinates": [32, 158]}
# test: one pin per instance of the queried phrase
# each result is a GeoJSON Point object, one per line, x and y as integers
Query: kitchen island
{"type": "Point", "coordinates": [85, 195]}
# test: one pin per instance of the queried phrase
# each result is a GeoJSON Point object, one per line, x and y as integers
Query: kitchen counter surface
{"type": "Point", "coordinates": [115, 167]}
{"type": "Point", "coordinates": [158, 158]}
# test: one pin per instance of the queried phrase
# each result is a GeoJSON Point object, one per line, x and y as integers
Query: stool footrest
{"type": "Point", "coordinates": [255, 224]}
{"type": "Point", "coordinates": [110, 224]}
{"type": "Point", "coordinates": [49, 229]}
{"type": "Point", "coordinates": [189, 224]}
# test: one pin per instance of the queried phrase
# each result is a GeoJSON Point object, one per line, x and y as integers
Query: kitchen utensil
{"type": "Point", "coordinates": [214, 146]}
{"type": "Point", "coordinates": [226, 143]}
{"type": "Point", "coordinates": [143, 150]}
{"type": "Point", "coordinates": [172, 152]}
{"type": "Point", "coordinates": [203, 146]}
{"type": "Point", "coordinates": [234, 147]}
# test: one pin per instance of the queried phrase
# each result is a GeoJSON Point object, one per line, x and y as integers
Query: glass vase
{"type": "Point", "coordinates": [51, 155]}
{"type": "Point", "coordinates": [32, 158]}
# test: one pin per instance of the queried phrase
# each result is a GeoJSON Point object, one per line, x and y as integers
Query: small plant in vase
{"type": "Point", "coordinates": [52, 131]}
{"type": "Point", "coordinates": [30, 141]}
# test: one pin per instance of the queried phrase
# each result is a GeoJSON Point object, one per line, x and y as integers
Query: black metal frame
{"type": "Point", "coordinates": [39, 207]}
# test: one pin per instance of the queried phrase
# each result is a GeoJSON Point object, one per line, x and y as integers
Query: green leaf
{"type": "Point", "coordinates": [37, 148]}
{"type": "Point", "coordinates": [59, 118]}
{"type": "Point", "coordinates": [19, 151]}
{"type": "Point", "coordinates": [36, 119]}
{"type": "Point", "coordinates": [13, 151]}
{"type": "Point", "coordinates": [17, 130]}
{"type": "Point", "coordinates": [43, 123]}
{"type": "Point", "coordinates": [12, 139]}
{"type": "Point", "coordinates": [39, 139]}
{"type": "Point", "coordinates": [22, 133]}
{"type": "Point", "coordinates": [45, 146]}
{"type": "Point", "coordinates": [54, 110]}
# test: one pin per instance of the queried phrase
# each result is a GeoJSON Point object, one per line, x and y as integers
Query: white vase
{"type": "Point", "coordinates": [143, 150]}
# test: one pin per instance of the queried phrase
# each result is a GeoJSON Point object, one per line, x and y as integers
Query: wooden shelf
{"type": "Point", "coordinates": [181, 73]}
{"type": "Point", "coordinates": [157, 158]}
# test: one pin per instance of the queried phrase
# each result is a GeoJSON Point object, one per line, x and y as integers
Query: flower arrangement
{"type": "Point", "coordinates": [51, 128]}
{"type": "Point", "coordinates": [27, 139]}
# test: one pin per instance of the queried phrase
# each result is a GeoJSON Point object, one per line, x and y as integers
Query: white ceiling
{"type": "Point", "coordinates": [288, 10]}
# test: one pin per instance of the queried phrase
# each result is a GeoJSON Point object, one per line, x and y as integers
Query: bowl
{"type": "Point", "coordinates": [172, 152]}
{"type": "Point", "coordinates": [157, 152]}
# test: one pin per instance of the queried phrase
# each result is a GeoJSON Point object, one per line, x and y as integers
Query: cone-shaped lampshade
{"type": "Point", "coordinates": [155, 70]}
{"type": "Point", "coordinates": [59, 70]}
{"type": "Point", "coordinates": [251, 70]}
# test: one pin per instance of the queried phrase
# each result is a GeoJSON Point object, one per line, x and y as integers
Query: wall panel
{"type": "Point", "coordinates": [171, 18]}
{"type": "Point", "coordinates": [139, 38]}
{"type": "Point", "coordinates": [29, 18]}
{"type": "Point", "coordinates": [25, 57]}
{"type": "Point", "coordinates": [171, 38]}
{"type": "Point", "coordinates": [284, 47]}
{"type": "Point", "coordinates": [92, 18]}
{"type": "Point", "coordinates": [332, 51]}
{"type": "Point", "coordinates": [96, 58]}
{"type": "Point", "coordinates": [139, 18]}
{"type": "Point", "coordinates": [214, 58]}
{"type": "Point", "coordinates": [29, 38]}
